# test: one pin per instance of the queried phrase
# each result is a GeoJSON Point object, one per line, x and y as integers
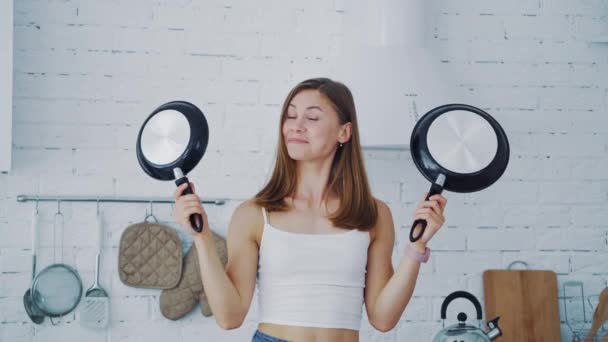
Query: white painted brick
{"type": "Point", "coordinates": [205, 16]}
{"type": "Point", "coordinates": [488, 215]}
{"type": "Point", "coordinates": [272, 95]}
{"type": "Point", "coordinates": [390, 190]}
{"type": "Point", "coordinates": [224, 44]}
{"type": "Point", "coordinates": [590, 215]}
{"type": "Point", "coordinates": [73, 110]}
{"type": "Point", "coordinates": [11, 236]}
{"type": "Point", "coordinates": [16, 332]}
{"type": "Point", "coordinates": [501, 240]}
{"type": "Point", "coordinates": [550, 215]}
{"type": "Point", "coordinates": [436, 284]}
{"type": "Point", "coordinates": [44, 12]}
{"type": "Point", "coordinates": [13, 311]}
{"type": "Point", "coordinates": [50, 161]}
{"type": "Point", "coordinates": [538, 27]}
{"type": "Point", "coordinates": [502, 97]}
{"type": "Point", "coordinates": [320, 22]}
{"type": "Point", "coordinates": [448, 239]}
{"type": "Point", "coordinates": [592, 7]}
{"type": "Point", "coordinates": [451, 52]}
{"type": "Point", "coordinates": [114, 13]}
{"type": "Point", "coordinates": [590, 169]}
{"type": "Point", "coordinates": [457, 213]}
{"type": "Point", "coordinates": [532, 51]}
{"type": "Point", "coordinates": [586, 28]}
{"type": "Point", "coordinates": [70, 332]}
{"type": "Point", "coordinates": [295, 44]}
{"type": "Point", "coordinates": [595, 263]}
{"type": "Point", "coordinates": [559, 121]}
{"type": "Point", "coordinates": [100, 185]}
{"type": "Point", "coordinates": [424, 331]}
{"type": "Point", "coordinates": [462, 27]}
{"type": "Point", "coordinates": [506, 192]}
{"type": "Point", "coordinates": [577, 239]}
{"type": "Point", "coordinates": [131, 309]}
{"type": "Point", "coordinates": [465, 263]}
{"type": "Point", "coordinates": [527, 216]}
{"type": "Point", "coordinates": [254, 69]}
{"type": "Point", "coordinates": [418, 309]}
{"type": "Point", "coordinates": [579, 98]}
{"type": "Point", "coordinates": [260, 19]}
{"type": "Point", "coordinates": [14, 284]}
{"type": "Point", "coordinates": [572, 192]}
{"type": "Point", "coordinates": [485, 7]}
{"type": "Point", "coordinates": [144, 331]}
{"type": "Point", "coordinates": [15, 260]}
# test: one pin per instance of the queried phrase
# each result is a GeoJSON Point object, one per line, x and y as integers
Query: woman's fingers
{"type": "Point", "coordinates": [434, 205]}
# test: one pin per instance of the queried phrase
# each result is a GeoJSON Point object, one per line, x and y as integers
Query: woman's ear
{"type": "Point", "coordinates": [345, 132]}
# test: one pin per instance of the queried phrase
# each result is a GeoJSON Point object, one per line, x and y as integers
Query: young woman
{"type": "Point", "coordinates": [315, 239]}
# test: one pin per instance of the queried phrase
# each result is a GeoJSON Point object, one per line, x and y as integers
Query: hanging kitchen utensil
{"type": "Point", "coordinates": [461, 331]}
{"type": "Point", "coordinates": [170, 143]}
{"type": "Point", "coordinates": [576, 310]}
{"type": "Point", "coordinates": [458, 148]}
{"type": "Point", "coordinates": [57, 289]}
{"type": "Point", "coordinates": [95, 309]}
{"type": "Point", "coordinates": [600, 314]}
{"type": "Point", "coordinates": [32, 311]}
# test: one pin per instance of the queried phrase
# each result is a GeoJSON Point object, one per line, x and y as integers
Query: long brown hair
{"type": "Point", "coordinates": [347, 178]}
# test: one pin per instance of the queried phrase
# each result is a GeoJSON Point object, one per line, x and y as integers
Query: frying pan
{"type": "Point", "coordinates": [459, 148]}
{"type": "Point", "coordinates": [171, 142]}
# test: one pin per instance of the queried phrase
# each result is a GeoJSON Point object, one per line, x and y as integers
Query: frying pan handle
{"type": "Point", "coordinates": [196, 220]}
{"type": "Point", "coordinates": [435, 189]}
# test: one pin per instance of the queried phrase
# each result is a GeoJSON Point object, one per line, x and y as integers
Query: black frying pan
{"type": "Point", "coordinates": [458, 148]}
{"type": "Point", "coordinates": [170, 143]}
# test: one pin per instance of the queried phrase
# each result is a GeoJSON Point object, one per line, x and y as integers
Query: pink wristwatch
{"type": "Point", "coordinates": [420, 257]}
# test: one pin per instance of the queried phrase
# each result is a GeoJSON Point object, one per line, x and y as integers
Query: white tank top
{"type": "Point", "coordinates": [312, 280]}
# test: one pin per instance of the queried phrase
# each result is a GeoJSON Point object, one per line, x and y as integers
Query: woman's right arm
{"type": "Point", "coordinates": [229, 291]}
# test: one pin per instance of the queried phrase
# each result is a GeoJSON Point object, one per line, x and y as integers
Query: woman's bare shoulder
{"type": "Point", "coordinates": [385, 218]}
{"type": "Point", "coordinates": [248, 218]}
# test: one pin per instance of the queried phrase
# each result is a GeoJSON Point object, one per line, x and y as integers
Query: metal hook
{"type": "Point", "coordinates": [97, 205]}
{"type": "Point", "coordinates": [58, 207]}
{"type": "Point", "coordinates": [37, 198]}
{"type": "Point", "coordinates": [151, 214]}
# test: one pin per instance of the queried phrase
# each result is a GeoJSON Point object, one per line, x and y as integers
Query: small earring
{"type": "Point", "coordinates": [341, 144]}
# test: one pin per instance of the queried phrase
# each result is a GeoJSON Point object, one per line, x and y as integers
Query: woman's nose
{"type": "Point", "coordinates": [298, 125]}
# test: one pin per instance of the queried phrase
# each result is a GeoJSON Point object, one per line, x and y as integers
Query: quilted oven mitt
{"type": "Point", "coordinates": [177, 302]}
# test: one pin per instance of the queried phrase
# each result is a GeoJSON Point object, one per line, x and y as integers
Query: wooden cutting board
{"type": "Point", "coordinates": [527, 303]}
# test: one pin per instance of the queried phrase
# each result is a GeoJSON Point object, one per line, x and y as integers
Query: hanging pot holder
{"type": "Point", "coordinates": [150, 256]}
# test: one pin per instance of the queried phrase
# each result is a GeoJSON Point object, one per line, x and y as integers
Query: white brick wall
{"type": "Point", "coordinates": [86, 73]}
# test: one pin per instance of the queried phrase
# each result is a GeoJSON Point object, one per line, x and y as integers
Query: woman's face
{"type": "Point", "coordinates": [311, 129]}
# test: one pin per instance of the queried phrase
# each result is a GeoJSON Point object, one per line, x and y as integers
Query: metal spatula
{"type": "Point", "coordinates": [95, 310]}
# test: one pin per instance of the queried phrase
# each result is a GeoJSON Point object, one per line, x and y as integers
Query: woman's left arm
{"type": "Point", "coordinates": [387, 292]}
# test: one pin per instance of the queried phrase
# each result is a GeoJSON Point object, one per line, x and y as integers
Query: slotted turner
{"type": "Point", "coordinates": [95, 309]}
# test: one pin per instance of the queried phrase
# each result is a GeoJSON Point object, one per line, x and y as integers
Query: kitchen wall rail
{"type": "Point", "coordinates": [60, 198]}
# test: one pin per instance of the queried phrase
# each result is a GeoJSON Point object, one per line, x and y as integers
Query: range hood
{"type": "Point", "coordinates": [392, 74]}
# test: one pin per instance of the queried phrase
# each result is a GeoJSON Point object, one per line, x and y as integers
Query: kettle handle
{"type": "Point", "coordinates": [460, 294]}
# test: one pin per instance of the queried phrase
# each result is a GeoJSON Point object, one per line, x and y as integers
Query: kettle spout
{"type": "Point", "coordinates": [494, 331]}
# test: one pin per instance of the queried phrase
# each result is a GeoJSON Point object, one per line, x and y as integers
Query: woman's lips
{"type": "Point", "coordinates": [297, 141]}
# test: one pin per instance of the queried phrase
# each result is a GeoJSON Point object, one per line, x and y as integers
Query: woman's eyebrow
{"type": "Point", "coordinates": [307, 108]}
